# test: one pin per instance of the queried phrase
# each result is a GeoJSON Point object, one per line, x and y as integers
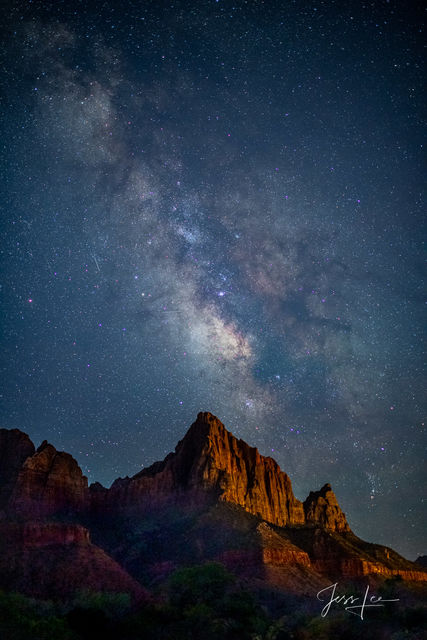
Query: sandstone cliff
{"type": "Point", "coordinates": [208, 462]}
{"type": "Point", "coordinates": [213, 498]}
{"type": "Point", "coordinates": [210, 458]}
{"type": "Point", "coordinates": [322, 509]}
{"type": "Point", "coordinates": [49, 482]}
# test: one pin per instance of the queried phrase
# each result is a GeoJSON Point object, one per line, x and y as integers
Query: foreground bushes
{"type": "Point", "coordinates": [202, 602]}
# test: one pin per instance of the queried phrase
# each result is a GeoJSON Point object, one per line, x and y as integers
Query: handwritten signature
{"type": "Point", "coordinates": [348, 602]}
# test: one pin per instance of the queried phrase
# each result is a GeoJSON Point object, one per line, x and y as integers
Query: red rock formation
{"type": "Point", "coordinates": [353, 567]}
{"type": "Point", "coordinates": [322, 509]}
{"type": "Point", "coordinates": [349, 568]}
{"type": "Point", "coordinates": [49, 482]}
{"type": "Point", "coordinates": [210, 471]}
{"type": "Point", "coordinates": [210, 458]}
{"type": "Point", "coordinates": [267, 548]}
{"type": "Point", "coordinates": [279, 551]}
{"type": "Point", "coordinates": [344, 554]}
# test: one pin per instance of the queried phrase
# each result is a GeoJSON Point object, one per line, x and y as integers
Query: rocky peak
{"type": "Point", "coordinates": [244, 476]}
{"type": "Point", "coordinates": [209, 462]}
{"type": "Point", "coordinates": [49, 482]}
{"type": "Point", "coordinates": [322, 508]}
{"type": "Point", "coordinates": [211, 459]}
{"type": "Point", "coordinates": [191, 453]}
{"type": "Point", "coordinates": [45, 445]}
{"type": "Point", "coordinates": [206, 445]}
{"type": "Point", "coordinates": [15, 447]}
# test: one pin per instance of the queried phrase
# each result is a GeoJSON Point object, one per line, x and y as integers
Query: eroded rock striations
{"type": "Point", "coordinates": [210, 458]}
{"type": "Point", "coordinates": [208, 461]}
{"type": "Point", "coordinates": [322, 509]}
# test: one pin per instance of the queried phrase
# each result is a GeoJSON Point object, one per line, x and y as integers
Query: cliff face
{"type": "Point", "coordinates": [211, 459]}
{"type": "Point", "coordinates": [49, 482]}
{"type": "Point", "coordinates": [321, 508]}
{"type": "Point", "coordinates": [208, 462]}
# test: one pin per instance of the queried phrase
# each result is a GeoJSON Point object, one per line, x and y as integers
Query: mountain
{"type": "Point", "coordinates": [49, 482]}
{"type": "Point", "coordinates": [211, 460]}
{"type": "Point", "coordinates": [213, 498]}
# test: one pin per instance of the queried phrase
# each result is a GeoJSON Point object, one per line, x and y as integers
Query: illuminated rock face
{"type": "Point", "coordinates": [322, 509]}
{"type": "Point", "coordinates": [210, 458]}
{"type": "Point", "coordinates": [208, 461]}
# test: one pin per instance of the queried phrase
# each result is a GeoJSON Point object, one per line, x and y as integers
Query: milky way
{"type": "Point", "coordinates": [217, 206]}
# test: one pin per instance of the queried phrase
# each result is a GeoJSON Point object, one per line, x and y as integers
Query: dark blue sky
{"type": "Point", "coordinates": [218, 206]}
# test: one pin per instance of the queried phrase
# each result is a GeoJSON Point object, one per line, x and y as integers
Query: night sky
{"type": "Point", "coordinates": [217, 205]}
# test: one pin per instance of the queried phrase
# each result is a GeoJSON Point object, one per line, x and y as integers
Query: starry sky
{"type": "Point", "coordinates": [217, 205]}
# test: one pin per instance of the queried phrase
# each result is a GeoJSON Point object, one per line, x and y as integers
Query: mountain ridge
{"type": "Point", "coordinates": [212, 458]}
{"type": "Point", "coordinates": [213, 498]}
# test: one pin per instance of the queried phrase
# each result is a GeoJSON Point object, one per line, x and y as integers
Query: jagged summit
{"type": "Point", "coordinates": [48, 482]}
{"type": "Point", "coordinates": [207, 420]}
{"type": "Point", "coordinates": [211, 459]}
{"type": "Point", "coordinates": [322, 508]}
